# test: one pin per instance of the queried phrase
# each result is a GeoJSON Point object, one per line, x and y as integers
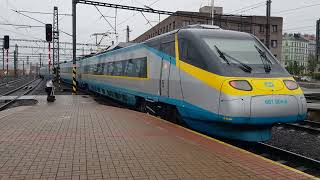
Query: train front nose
{"type": "Point", "coordinates": [276, 106]}
{"type": "Point", "coordinates": [268, 102]}
{"type": "Point", "coordinates": [277, 109]}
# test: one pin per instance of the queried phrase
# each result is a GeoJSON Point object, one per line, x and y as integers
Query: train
{"type": "Point", "coordinates": [219, 82]}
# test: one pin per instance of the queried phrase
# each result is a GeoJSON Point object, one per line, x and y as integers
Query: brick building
{"type": "Point", "coordinates": [252, 24]}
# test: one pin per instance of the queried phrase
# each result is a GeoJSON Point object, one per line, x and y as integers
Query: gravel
{"type": "Point", "coordinates": [296, 141]}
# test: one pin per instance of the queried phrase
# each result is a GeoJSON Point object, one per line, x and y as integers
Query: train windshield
{"type": "Point", "coordinates": [244, 50]}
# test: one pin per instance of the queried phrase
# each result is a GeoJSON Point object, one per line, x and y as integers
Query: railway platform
{"type": "Point", "coordinates": [77, 138]}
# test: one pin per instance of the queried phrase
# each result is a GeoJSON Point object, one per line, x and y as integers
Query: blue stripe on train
{"type": "Point", "coordinates": [186, 109]}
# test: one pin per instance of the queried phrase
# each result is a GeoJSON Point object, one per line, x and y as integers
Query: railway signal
{"type": "Point", "coordinates": [49, 40]}
{"type": "Point", "coordinates": [6, 43]}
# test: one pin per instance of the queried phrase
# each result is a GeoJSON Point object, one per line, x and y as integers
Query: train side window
{"type": "Point", "coordinates": [118, 69]}
{"type": "Point", "coordinates": [105, 69]}
{"type": "Point", "coordinates": [143, 68]}
{"type": "Point", "coordinates": [99, 69]}
{"type": "Point", "coordinates": [129, 68]}
{"type": "Point", "coordinates": [124, 66]}
{"type": "Point", "coordinates": [110, 68]}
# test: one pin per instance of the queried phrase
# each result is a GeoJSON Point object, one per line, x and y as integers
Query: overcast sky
{"type": "Point", "coordinates": [90, 21]}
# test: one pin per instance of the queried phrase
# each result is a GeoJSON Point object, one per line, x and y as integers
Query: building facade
{"type": "Point", "coordinates": [297, 48]}
{"type": "Point", "coordinates": [255, 25]}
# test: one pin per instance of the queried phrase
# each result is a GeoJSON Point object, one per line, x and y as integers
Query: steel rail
{"type": "Point", "coordinates": [308, 126]}
{"type": "Point", "coordinates": [11, 82]}
{"type": "Point", "coordinates": [282, 156]}
{"type": "Point", "coordinates": [294, 160]}
{"type": "Point", "coordinates": [6, 105]}
{"type": "Point", "coordinates": [17, 89]}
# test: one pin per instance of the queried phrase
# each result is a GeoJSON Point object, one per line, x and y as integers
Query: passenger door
{"type": "Point", "coordinates": [167, 49]}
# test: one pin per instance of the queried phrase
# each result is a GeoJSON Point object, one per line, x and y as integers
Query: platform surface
{"type": "Point", "coordinates": [76, 138]}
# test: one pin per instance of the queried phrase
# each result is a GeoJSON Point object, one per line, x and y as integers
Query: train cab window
{"type": "Point", "coordinates": [190, 54]}
{"type": "Point", "coordinates": [168, 48]}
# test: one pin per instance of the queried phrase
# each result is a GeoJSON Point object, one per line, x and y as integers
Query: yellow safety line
{"type": "Point", "coordinates": [239, 149]}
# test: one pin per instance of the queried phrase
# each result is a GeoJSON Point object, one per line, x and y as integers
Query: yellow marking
{"type": "Point", "coordinates": [176, 42]}
{"type": "Point", "coordinates": [117, 77]}
{"type": "Point", "coordinates": [222, 83]}
{"type": "Point", "coordinates": [238, 149]}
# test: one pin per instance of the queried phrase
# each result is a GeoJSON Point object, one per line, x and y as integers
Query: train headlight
{"type": "Point", "coordinates": [292, 85]}
{"type": "Point", "coordinates": [241, 85]}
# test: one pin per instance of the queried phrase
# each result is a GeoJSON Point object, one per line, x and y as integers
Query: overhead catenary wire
{"type": "Point", "coordinates": [43, 13]}
{"type": "Point", "coordinates": [38, 21]}
{"type": "Point", "coordinates": [247, 7]}
{"type": "Point", "coordinates": [105, 18]}
{"type": "Point", "coordinates": [297, 8]}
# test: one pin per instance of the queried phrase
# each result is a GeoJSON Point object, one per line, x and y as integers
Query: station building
{"type": "Point", "coordinates": [255, 25]}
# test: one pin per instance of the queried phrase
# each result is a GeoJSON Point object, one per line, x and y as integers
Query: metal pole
{"type": "Point", "coordinates": [3, 59]}
{"type": "Point", "coordinates": [49, 55]}
{"type": "Point", "coordinates": [212, 12]}
{"type": "Point", "coordinates": [318, 41]}
{"type": "Point", "coordinates": [23, 67]}
{"type": "Point", "coordinates": [40, 59]}
{"type": "Point", "coordinates": [74, 42]}
{"type": "Point", "coordinates": [268, 24]}
{"type": "Point", "coordinates": [128, 34]}
{"type": "Point", "coordinates": [7, 62]}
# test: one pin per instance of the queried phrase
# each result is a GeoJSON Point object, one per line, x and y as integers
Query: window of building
{"type": "Point", "coordinates": [274, 28]}
{"type": "Point", "coordinates": [261, 28]}
{"type": "Point", "coordinates": [174, 25]}
{"type": "Point", "coordinates": [185, 23]}
{"type": "Point", "coordinates": [274, 43]}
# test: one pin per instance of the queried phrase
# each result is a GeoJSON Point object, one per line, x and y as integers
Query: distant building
{"type": "Point", "coordinates": [295, 48]}
{"type": "Point", "coordinates": [208, 9]}
{"type": "Point", "coordinates": [255, 25]}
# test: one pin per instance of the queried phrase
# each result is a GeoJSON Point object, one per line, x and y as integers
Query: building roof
{"type": "Point", "coordinates": [294, 37]}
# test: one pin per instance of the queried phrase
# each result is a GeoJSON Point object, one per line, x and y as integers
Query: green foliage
{"type": "Point", "coordinates": [294, 68]}
{"type": "Point", "coordinates": [316, 76]}
{"type": "Point", "coordinates": [312, 64]}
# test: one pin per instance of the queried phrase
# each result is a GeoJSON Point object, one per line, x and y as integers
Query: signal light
{"type": "Point", "coordinates": [292, 85]}
{"type": "Point", "coordinates": [6, 42]}
{"type": "Point", "coordinates": [241, 85]}
{"type": "Point", "coordinates": [48, 32]}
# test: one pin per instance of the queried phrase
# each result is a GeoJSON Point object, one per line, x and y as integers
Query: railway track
{"type": "Point", "coordinates": [306, 125]}
{"type": "Point", "coordinates": [18, 92]}
{"type": "Point", "coordinates": [291, 159]}
{"type": "Point", "coordinates": [11, 81]}
{"type": "Point", "coordinates": [6, 89]}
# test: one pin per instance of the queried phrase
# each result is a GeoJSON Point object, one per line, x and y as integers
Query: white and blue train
{"type": "Point", "coordinates": [219, 82]}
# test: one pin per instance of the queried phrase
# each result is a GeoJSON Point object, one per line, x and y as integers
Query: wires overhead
{"type": "Point", "coordinates": [248, 8]}
{"type": "Point", "coordinates": [105, 18]}
{"type": "Point", "coordinates": [43, 13]}
{"type": "Point", "coordinates": [297, 8]}
{"type": "Point", "coordinates": [38, 21]}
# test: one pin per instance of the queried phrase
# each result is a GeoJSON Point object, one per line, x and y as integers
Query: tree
{"type": "Point", "coordinates": [294, 68]}
{"type": "Point", "coordinates": [312, 64]}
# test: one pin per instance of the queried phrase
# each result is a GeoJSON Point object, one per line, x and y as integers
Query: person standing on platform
{"type": "Point", "coordinates": [49, 88]}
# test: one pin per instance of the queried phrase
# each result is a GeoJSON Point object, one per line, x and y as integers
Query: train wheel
{"type": "Point", "coordinates": [177, 118]}
{"type": "Point", "coordinates": [142, 107]}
